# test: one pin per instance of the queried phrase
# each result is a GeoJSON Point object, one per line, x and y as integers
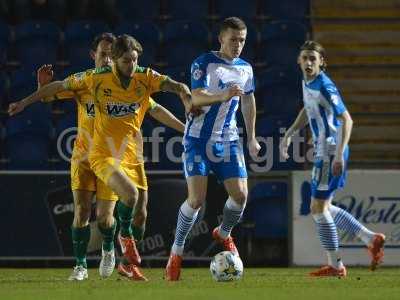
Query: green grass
{"type": "Point", "coordinates": [282, 283]}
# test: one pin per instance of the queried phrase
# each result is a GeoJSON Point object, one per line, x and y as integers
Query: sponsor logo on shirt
{"type": "Point", "coordinates": [121, 109]}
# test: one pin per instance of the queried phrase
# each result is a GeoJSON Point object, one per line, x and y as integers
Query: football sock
{"type": "Point", "coordinates": [138, 232]}
{"type": "Point", "coordinates": [328, 237]}
{"type": "Point", "coordinates": [186, 219]}
{"type": "Point", "coordinates": [125, 219]}
{"type": "Point", "coordinates": [346, 222]}
{"type": "Point", "coordinates": [80, 241]}
{"type": "Point", "coordinates": [108, 236]}
{"type": "Point", "coordinates": [231, 216]}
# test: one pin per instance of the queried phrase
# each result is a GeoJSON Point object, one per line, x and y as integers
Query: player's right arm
{"type": "Point", "coordinates": [300, 122]}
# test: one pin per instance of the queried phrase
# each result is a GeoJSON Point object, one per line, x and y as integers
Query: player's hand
{"type": "Point", "coordinates": [234, 90]}
{"type": "Point", "coordinates": [16, 107]}
{"type": "Point", "coordinates": [44, 75]}
{"type": "Point", "coordinates": [284, 146]}
{"type": "Point", "coordinates": [254, 147]}
{"type": "Point", "coordinates": [337, 166]}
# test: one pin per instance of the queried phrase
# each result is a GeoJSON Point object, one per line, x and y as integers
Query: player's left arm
{"type": "Point", "coordinates": [249, 115]}
{"type": "Point", "coordinates": [347, 126]}
{"type": "Point", "coordinates": [332, 95]}
{"type": "Point", "coordinates": [164, 116]}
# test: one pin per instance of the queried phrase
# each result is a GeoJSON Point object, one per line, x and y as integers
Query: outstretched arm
{"type": "Point", "coordinates": [164, 116]}
{"type": "Point", "coordinates": [45, 91]}
{"type": "Point", "coordinates": [300, 122]}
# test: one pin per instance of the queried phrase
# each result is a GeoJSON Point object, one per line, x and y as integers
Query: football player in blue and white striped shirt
{"type": "Point", "coordinates": [331, 126]}
{"type": "Point", "coordinates": [220, 80]}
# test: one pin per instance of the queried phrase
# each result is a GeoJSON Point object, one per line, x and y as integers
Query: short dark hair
{"type": "Point", "coordinates": [105, 36]}
{"type": "Point", "coordinates": [315, 46]}
{"type": "Point", "coordinates": [232, 22]}
{"type": "Point", "coordinates": [124, 43]}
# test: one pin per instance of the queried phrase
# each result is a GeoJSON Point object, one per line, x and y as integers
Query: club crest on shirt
{"type": "Point", "coordinates": [121, 109]}
{"type": "Point", "coordinates": [335, 99]}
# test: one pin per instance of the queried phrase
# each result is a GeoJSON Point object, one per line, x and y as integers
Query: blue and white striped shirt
{"type": "Point", "coordinates": [215, 74]}
{"type": "Point", "coordinates": [323, 103]}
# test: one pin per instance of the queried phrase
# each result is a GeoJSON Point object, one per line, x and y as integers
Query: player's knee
{"type": "Point", "coordinates": [317, 207]}
{"type": "Point", "coordinates": [140, 217]}
{"type": "Point", "coordinates": [105, 220]}
{"type": "Point", "coordinates": [81, 216]}
{"type": "Point", "coordinates": [240, 197]}
{"type": "Point", "coordinates": [196, 201]}
{"type": "Point", "coordinates": [130, 195]}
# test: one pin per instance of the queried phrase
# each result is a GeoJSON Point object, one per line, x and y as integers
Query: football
{"type": "Point", "coordinates": [226, 266]}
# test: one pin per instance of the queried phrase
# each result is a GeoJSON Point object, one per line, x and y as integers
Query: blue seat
{"type": "Point", "coordinates": [4, 41]}
{"type": "Point", "coordinates": [280, 42]}
{"type": "Point", "coordinates": [139, 10]}
{"type": "Point", "coordinates": [187, 10]}
{"type": "Point", "coordinates": [4, 82]}
{"type": "Point", "coordinates": [268, 208]}
{"type": "Point", "coordinates": [272, 125]}
{"type": "Point", "coordinates": [279, 74]}
{"type": "Point", "coordinates": [28, 136]}
{"type": "Point", "coordinates": [79, 36]}
{"type": "Point", "coordinates": [146, 32]}
{"type": "Point", "coordinates": [181, 74]}
{"type": "Point", "coordinates": [236, 8]}
{"type": "Point", "coordinates": [188, 31]}
{"type": "Point", "coordinates": [171, 102]}
{"type": "Point", "coordinates": [37, 43]}
{"type": "Point", "coordinates": [281, 98]}
{"type": "Point", "coordinates": [286, 9]}
{"type": "Point", "coordinates": [28, 152]}
{"type": "Point", "coordinates": [183, 54]}
{"type": "Point", "coordinates": [22, 83]}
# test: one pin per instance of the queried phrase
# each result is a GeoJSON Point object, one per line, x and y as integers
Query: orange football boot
{"type": "Point", "coordinates": [375, 250]}
{"type": "Point", "coordinates": [228, 243]}
{"type": "Point", "coordinates": [173, 268]}
{"type": "Point", "coordinates": [131, 271]}
{"type": "Point", "coordinates": [327, 271]}
{"type": "Point", "coordinates": [129, 250]}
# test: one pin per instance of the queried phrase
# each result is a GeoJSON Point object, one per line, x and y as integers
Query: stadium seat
{"type": "Point", "coordinates": [171, 102]}
{"type": "Point", "coordinates": [28, 152]}
{"type": "Point", "coordinates": [78, 39]}
{"type": "Point", "coordinates": [181, 74]}
{"type": "Point", "coordinates": [185, 30]}
{"type": "Point", "coordinates": [242, 9]}
{"type": "Point", "coordinates": [146, 32]}
{"type": "Point", "coordinates": [286, 9]}
{"type": "Point", "coordinates": [279, 89]}
{"type": "Point", "coordinates": [280, 42]}
{"type": "Point", "coordinates": [4, 41]}
{"type": "Point", "coordinates": [37, 43]}
{"type": "Point", "coordinates": [268, 208]}
{"type": "Point", "coordinates": [28, 136]}
{"type": "Point", "coordinates": [4, 82]}
{"type": "Point", "coordinates": [182, 54]}
{"type": "Point", "coordinates": [22, 83]}
{"type": "Point", "coordinates": [139, 10]}
{"type": "Point", "coordinates": [186, 10]}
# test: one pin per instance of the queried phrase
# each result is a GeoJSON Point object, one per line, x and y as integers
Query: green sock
{"type": "Point", "coordinates": [108, 236]}
{"type": "Point", "coordinates": [80, 241]}
{"type": "Point", "coordinates": [138, 232]}
{"type": "Point", "coordinates": [125, 219]}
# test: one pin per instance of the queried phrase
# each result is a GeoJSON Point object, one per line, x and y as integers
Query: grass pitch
{"type": "Point", "coordinates": [271, 283]}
